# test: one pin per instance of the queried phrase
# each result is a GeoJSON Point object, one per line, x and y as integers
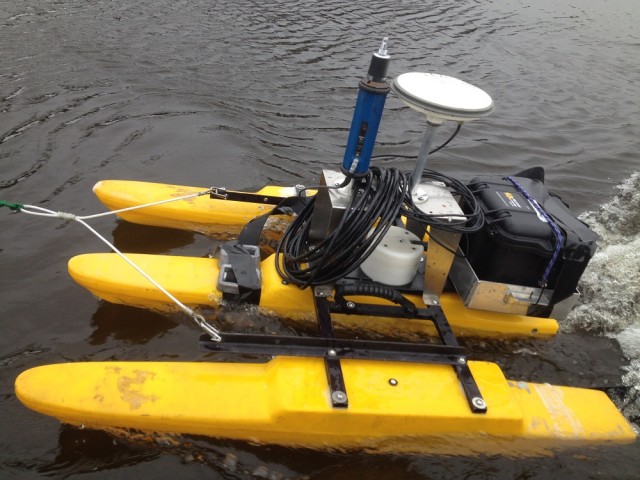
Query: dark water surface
{"type": "Point", "coordinates": [245, 93]}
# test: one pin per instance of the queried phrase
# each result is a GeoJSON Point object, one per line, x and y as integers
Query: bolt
{"type": "Point", "coordinates": [351, 305]}
{"type": "Point", "coordinates": [332, 353]}
{"type": "Point", "coordinates": [479, 403]}
{"type": "Point", "coordinates": [462, 361]}
{"type": "Point", "coordinates": [339, 397]}
{"type": "Point", "coordinates": [393, 382]}
{"type": "Point", "coordinates": [284, 282]}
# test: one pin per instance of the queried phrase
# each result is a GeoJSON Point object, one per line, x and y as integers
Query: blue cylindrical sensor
{"type": "Point", "coordinates": [372, 94]}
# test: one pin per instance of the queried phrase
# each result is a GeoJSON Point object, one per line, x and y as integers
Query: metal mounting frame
{"type": "Point", "coordinates": [333, 349]}
{"type": "Point", "coordinates": [221, 193]}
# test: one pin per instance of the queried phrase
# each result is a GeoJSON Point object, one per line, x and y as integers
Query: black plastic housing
{"type": "Point", "coordinates": [517, 243]}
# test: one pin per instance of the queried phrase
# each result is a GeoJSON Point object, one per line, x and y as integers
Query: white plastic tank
{"type": "Point", "coordinates": [396, 259]}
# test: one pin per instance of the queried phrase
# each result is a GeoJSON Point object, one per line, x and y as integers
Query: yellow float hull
{"type": "Point", "coordinates": [286, 401]}
{"type": "Point", "coordinates": [199, 214]}
{"type": "Point", "coordinates": [193, 281]}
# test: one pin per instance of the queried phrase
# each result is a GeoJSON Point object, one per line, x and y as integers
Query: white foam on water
{"type": "Point", "coordinates": [629, 340]}
{"type": "Point", "coordinates": [610, 286]}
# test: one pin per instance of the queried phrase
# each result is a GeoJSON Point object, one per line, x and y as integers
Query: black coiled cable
{"type": "Point", "coordinates": [375, 204]}
{"type": "Point", "coordinates": [377, 201]}
{"type": "Point", "coordinates": [472, 220]}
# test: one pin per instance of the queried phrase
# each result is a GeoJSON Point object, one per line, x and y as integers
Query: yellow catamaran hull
{"type": "Point", "coordinates": [199, 214]}
{"type": "Point", "coordinates": [286, 401]}
{"type": "Point", "coordinates": [393, 406]}
{"type": "Point", "coordinates": [193, 281]}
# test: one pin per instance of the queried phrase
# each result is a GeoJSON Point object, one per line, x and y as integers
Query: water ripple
{"type": "Point", "coordinates": [243, 93]}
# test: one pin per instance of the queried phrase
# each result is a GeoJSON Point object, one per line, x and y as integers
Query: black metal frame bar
{"type": "Point", "coordinates": [221, 193]}
{"type": "Point", "coordinates": [436, 315]}
{"type": "Point", "coordinates": [336, 348]}
{"type": "Point", "coordinates": [337, 385]}
{"type": "Point", "coordinates": [333, 349]}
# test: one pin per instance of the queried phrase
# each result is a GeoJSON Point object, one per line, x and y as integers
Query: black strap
{"type": "Point", "coordinates": [244, 264]}
{"type": "Point", "coordinates": [250, 234]}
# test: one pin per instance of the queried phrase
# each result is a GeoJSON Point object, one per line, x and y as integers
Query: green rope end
{"type": "Point", "coordinates": [16, 207]}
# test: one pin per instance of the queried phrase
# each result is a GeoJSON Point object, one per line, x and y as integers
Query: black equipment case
{"type": "Point", "coordinates": [517, 243]}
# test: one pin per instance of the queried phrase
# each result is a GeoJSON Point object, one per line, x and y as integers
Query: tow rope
{"type": "Point", "coordinates": [198, 319]}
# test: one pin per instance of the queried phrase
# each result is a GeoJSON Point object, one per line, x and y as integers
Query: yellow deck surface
{"type": "Point", "coordinates": [286, 401]}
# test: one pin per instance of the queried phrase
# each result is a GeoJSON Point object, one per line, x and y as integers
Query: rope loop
{"type": "Point", "coordinates": [207, 327]}
{"type": "Point", "coordinates": [44, 212]}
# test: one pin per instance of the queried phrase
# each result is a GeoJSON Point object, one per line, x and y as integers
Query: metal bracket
{"type": "Point", "coordinates": [332, 349]}
{"type": "Point", "coordinates": [436, 315]}
{"type": "Point", "coordinates": [239, 275]}
{"type": "Point", "coordinates": [337, 385]}
{"type": "Point", "coordinates": [221, 193]}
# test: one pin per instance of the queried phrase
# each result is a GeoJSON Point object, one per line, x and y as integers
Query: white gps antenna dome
{"type": "Point", "coordinates": [440, 98]}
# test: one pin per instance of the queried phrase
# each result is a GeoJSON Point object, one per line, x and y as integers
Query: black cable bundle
{"type": "Point", "coordinates": [375, 204]}
{"type": "Point", "coordinates": [378, 200]}
{"type": "Point", "coordinates": [471, 221]}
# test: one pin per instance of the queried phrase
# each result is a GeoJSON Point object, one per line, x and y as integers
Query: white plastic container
{"type": "Point", "coordinates": [395, 260]}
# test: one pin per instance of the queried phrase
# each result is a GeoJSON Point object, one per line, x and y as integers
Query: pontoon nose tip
{"type": "Point", "coordinates": [97, 186]}
{"type": "Point", "coordinates": [24, 378]}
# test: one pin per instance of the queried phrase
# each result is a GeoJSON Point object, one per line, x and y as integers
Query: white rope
{"type": "Point", "coordinates": [152, 204]}
{"type": "Point", "coordinates": [197, 318]}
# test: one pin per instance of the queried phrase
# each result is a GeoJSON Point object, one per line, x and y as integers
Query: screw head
{"type": "Point", "coordinates": [393, 382]}
{"type": "Point", "coordinates": [339, 397]}
{"type": "Point", "coordinates": [479, 403]}
{"type": "Point", "coordinates": [351, 305]}
{"type": "Point", "coordinates": [332, 353]}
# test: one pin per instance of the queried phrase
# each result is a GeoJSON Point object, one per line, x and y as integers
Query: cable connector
{"type": "Point", "coordinates": [218, 192]}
